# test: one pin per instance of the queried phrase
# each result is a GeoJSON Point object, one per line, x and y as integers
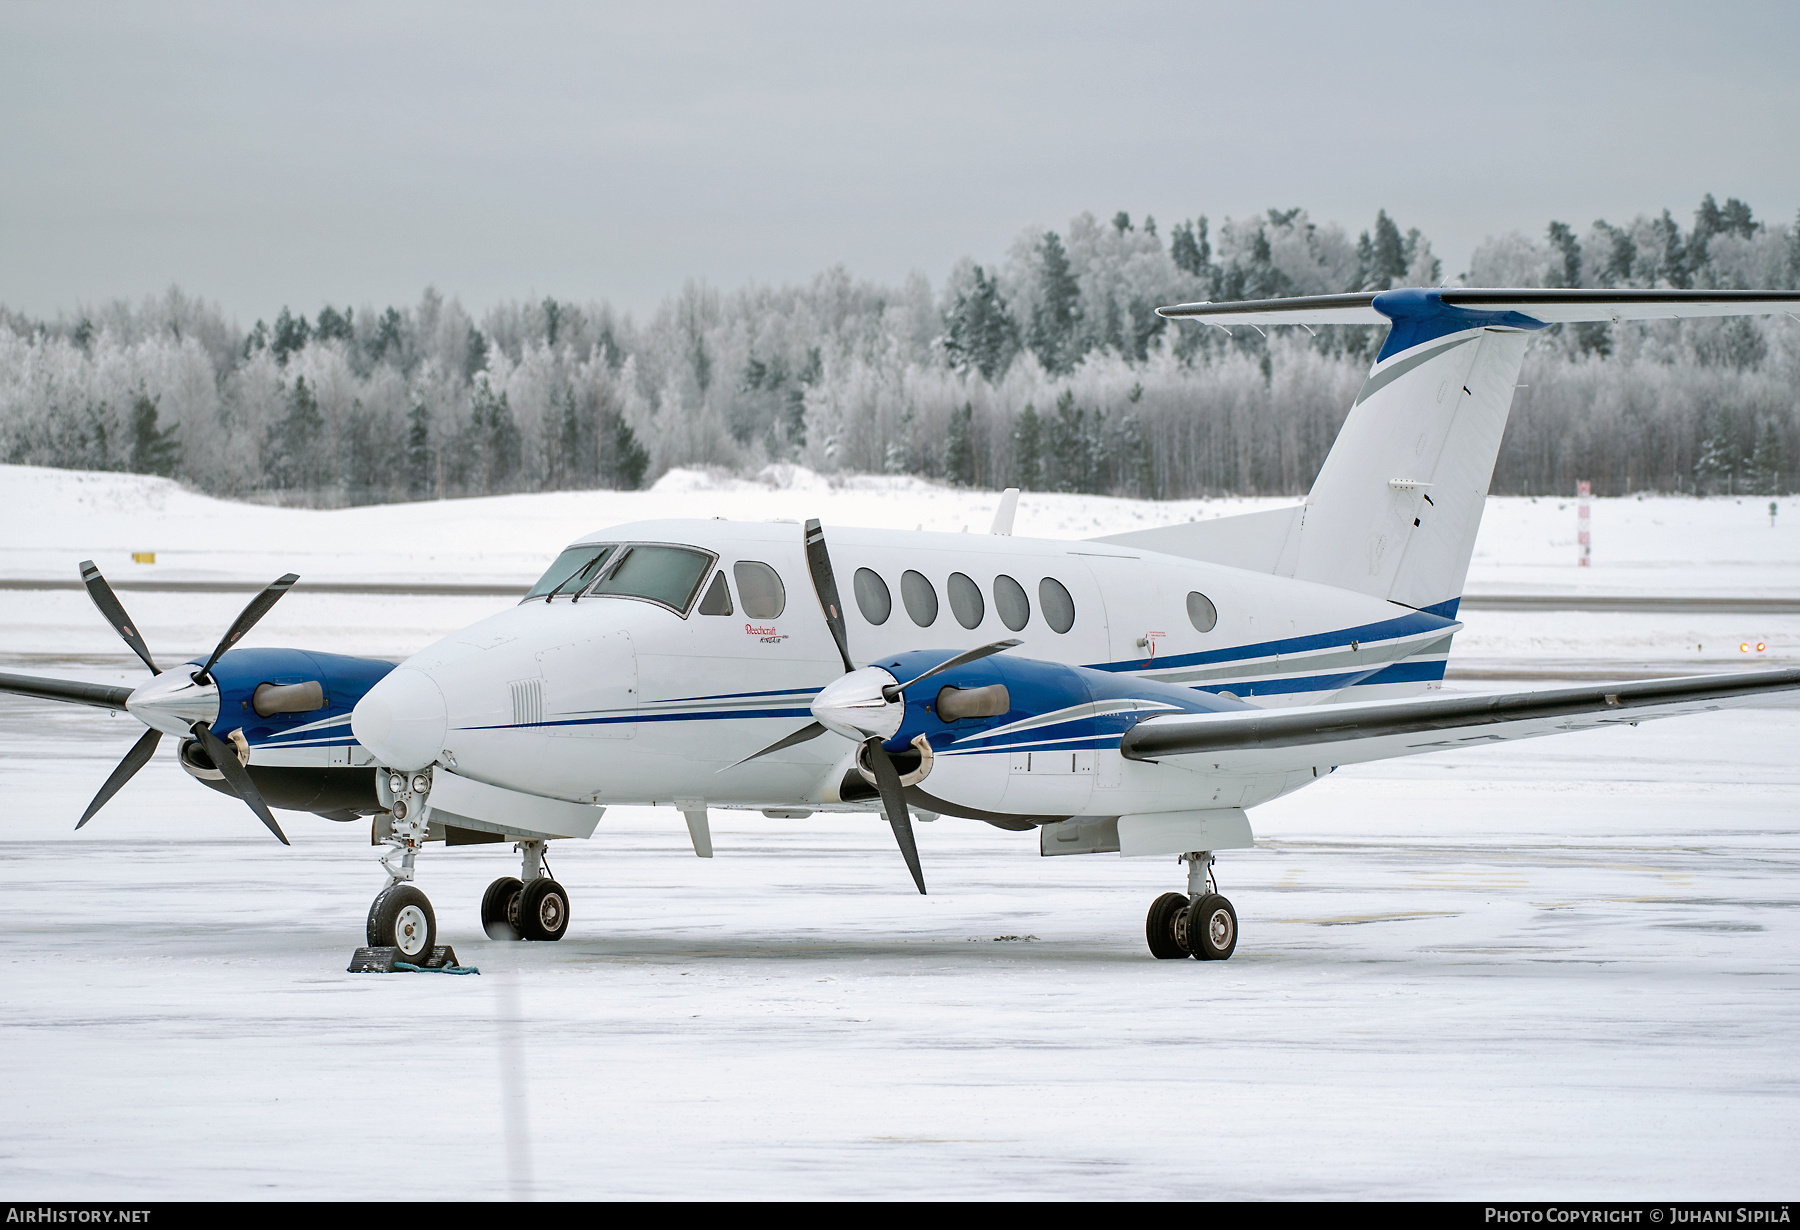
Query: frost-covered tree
{"type": "Point", "coordinates": [1057, 313]}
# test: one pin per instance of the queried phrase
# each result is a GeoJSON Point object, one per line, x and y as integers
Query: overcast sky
{"type": "Point", "coordinates": [312, 153]}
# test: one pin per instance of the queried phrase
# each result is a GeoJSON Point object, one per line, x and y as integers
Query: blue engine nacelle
{"type": "Point", "coordinates": [1005, 704]}
{"type": "Point", "coordinates": [244, 673]}
{"type": "Point", "coordinates": [292, 709]}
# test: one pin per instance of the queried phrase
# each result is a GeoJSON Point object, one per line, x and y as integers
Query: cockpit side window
{"type": "Point", "coordinates": [670, 576]}
{"type": "Point", "coordinates": [718, 596]}
{"type": "Point", "coordinates": [572, 570]}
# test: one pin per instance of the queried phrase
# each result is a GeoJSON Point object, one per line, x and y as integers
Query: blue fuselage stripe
{"type": "Point", "coordinates": [1413, 623]}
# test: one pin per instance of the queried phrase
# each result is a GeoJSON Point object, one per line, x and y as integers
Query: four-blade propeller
{"type": "Point", "coordinates": [221, 753]}
{"type": "Point", "coordinates": [865, 704]}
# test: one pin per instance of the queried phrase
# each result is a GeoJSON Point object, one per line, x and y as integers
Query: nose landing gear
{"type": "Point", "coordinates": [401, 917]}
{"type": "Point", "coordinates": [1202, 924]}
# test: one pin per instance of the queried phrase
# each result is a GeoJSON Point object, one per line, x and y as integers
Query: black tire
{"type": "Point", "coordinates": [500, 909]}
{"type": "Point", "coordinates": [543, 910]}
{"type": "Point", "coordinates": [1159, 927]}
{"type": "Point", "coordinates": [1212, 929]}
{"type": "Point", "coordinates": [401, 917]}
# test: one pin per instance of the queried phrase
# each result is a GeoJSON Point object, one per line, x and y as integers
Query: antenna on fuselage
{"type": "Point", "coordinates": [1003, 515]}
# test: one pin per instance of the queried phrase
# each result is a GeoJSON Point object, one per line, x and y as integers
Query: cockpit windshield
{"type": "Point", "coordinates": [663, 574]}
{"type": "Point", "coordinates": [669, 575]}
{"type": "Point", "coordinates": [573, 570]}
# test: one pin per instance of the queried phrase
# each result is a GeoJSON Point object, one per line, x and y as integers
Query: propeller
{"type": "Point", "coordinates": [222, 754]}
{"type": "Point", "coordinates": [114, 613]}
{"type": "Point", "coordinates": [860, 704]}
{"type": "Point", "coordinates": [247, 618]}
{"type": "Point", "coordinates": [893, 802]}
{"type": "Point", "coordinates": [224, 758]}
{"type": "Point", "coordinates": [135, 759]}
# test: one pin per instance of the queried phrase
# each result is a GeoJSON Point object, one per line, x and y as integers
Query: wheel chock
{"type": "Point", "coordinates": [442, 960]}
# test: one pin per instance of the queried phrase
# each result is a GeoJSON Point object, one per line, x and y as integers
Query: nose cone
{"type": "Point", "coordinates": [172, 702]}
{"type": "Point", "coordinates": [853, 705]}
{"type": "Point", "coordinates": [402, 720]}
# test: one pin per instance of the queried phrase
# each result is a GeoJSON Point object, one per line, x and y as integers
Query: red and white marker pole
{"type": "Point", "coordinates": [1583, 533]}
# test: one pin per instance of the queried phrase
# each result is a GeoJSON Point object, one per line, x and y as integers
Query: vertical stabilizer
{"type": "Point", "coordinates": [1398, 501]}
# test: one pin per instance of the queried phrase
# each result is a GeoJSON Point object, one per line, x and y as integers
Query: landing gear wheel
{"type": "Point", "coordinates": [500, 909]}
{"type": "Point", "coordinates": [401, 917]}
{"type": "Point", "coordinates": [543, 910]}
{"type": "Point", "coordinates": [1159, 927]}
{"type": "Point", "coordinates": [1212, 928]}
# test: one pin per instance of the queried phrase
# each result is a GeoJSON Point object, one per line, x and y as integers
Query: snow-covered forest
{"type": "Point", "coordinates": [1045, 367]}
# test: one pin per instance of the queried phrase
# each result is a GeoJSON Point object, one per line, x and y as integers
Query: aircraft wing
{"type": "Point", "coordinates": [1547, 306]}
{"type": "Point", "coordinates": [1269, 740]}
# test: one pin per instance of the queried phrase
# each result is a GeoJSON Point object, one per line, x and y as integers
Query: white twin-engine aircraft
{"type": "Point", "coordinates": [1137, 693]}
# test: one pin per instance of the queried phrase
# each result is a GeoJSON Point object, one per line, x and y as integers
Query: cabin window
{"type": "Point", "coordinates": [667, 575]}
{"type": "Point", "coordinates": [1202, 613]}
{"type": "Point", "coordinates": [1055, 603]}
{"type": "Point", "coordinates": [965, 600]}
{"type": "Point", "coordinates": [718, 596]}
{"type": "Point", "coordinates": [1012, 604]}
{"type": "Point", "coordinates": [872, 597]}
{"type": "Point", "coordinates": [759, 589]}
{"type": "Point", "coordinates": [572, 570]}
{"type": "Point", "coordinates": [920, 599]}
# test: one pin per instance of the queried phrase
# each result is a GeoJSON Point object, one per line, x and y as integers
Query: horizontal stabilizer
{"type": "Point", "coordinates": [1538, 306]}
{"type": "Point", "coordinates": [1377, 730]}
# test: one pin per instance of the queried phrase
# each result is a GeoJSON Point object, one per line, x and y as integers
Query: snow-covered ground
{"type": "Point", "coordinates": [1561, 968]}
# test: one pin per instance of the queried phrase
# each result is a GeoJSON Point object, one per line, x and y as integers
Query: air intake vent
{"type": "Point", "coordinates": [528, 702]}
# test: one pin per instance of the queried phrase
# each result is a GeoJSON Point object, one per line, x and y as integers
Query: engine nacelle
{"type": "Point", "coordinates": [1016, 741]}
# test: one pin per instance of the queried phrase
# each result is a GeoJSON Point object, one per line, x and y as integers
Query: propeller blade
{"type": "Point", "coordinates": [812, 730]}
{"type": "Point", "coordinates": [224, 758]}
{"type": "Point", "coordinates": [246, 620]}
{"type": "Point", "coordinates": [961, 659]}
{"type": "Point", "coordinates": [94, 695]}
{"type": "Point", "coordinates": [818, 562]}
{"type": "Point", "coordinates": [135, 759]}
{"type": "Point", "coordinates": [893, 801]}
{"type": "Point", "coordinates": [114, 613]}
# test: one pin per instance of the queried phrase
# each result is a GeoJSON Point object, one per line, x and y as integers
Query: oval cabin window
{"type": "Point", "coordinates": [1011, 603]}
{"type": "Point", "coordinates": [872, 597]}
{"type": "Point", "coordinates": [1202, 613]}
{"type": "Point", "coordinates": [965, 601]}
{"type": "Point", "coordinates": [1055, 603]}
{"type": "Point", "coordinates": [759, 589]}
{"type": "Point", "coordinates": [920, 599]}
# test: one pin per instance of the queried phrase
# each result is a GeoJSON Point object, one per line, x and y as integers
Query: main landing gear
{"type": "Point", "coordinates": [1201, 924]}
{"type": "Point", "coordinates": [533, 907]}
